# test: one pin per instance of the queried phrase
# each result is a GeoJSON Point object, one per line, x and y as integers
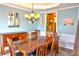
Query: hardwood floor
{"type": "Point", "coordinates": [62, 52]}
{"type": "Point", "coordinates": [65, 52]}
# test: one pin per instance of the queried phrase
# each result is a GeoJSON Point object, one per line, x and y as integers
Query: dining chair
{"type": "Point", "coordinates": [41, 50]}
{"type": "Point", "coordinates": [34, 36]}
{"type": "Point", "coordinates": [50, 43]}
{"type": "Point", "coordinates": [52, 38]}
{"type": "Point", "coordinates": [11, 49]}
{"type": "Point", "coordinates": [24, 38]}
{"type": "Point", "coordinates": [54, 44]}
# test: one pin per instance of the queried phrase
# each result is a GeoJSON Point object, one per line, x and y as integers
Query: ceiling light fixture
{"type": "Point", "coordinates": [32, 16]}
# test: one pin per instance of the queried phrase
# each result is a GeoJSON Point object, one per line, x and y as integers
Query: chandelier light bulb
{"type": "Point", "coordinates": [26, 15]}
{"type": "Point", "coordinates": [32, 14]}
{"type": "Point", "coordinates": [29, 17]}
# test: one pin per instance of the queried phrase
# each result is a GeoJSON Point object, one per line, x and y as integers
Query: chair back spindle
{"type": "Point", "coordinates": [11, 47]}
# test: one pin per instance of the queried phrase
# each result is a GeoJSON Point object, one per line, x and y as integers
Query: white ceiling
{"type": "Point", "coordinates": [35, 5]}
{"type": "Point", "coordinates": [39, 7]}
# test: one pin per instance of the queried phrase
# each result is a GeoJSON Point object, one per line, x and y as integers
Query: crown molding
{"type": "Point", "coordinates": [8, 5]}
{"type": "Point", "coordinates": [46, 11]}
{"type": "Point", "coordinates": [14, 7]}
{"type": "Point", "coordinates": [68, 7]}
{"type": "Point", "coordinates": [55, 10]}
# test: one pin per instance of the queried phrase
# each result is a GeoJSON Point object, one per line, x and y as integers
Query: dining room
{"type": "Point", "coordinates": [39, 29]}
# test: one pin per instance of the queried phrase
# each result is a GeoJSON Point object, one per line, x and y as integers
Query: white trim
{"type": "Point", "coordinates": [68, 7]}
{"type": "Point", "coordinates": [45, 23]}
{"type": "Point", "coordinates": [47, 11]}
{"type": "Point", "coordinates": [51, 11]}
{"type": "Point", "coordinates": [54, 10]}
{"type": "Point", "coordinates": [14, 7]}
{"type": "Point", "coordinates": [17, 7]}
{"type": "Point", "coordinates": [8, 5]}
{"type": "Point", "coordinates": [56, 21]}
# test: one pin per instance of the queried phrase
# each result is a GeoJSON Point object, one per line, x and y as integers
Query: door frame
{"type": "Point", "coordinates": [55, 18]}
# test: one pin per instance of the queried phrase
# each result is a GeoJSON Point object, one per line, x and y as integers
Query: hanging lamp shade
{"type": "Point", "coordinates": [32, 16]}
{"type": "Point", "coordinates": [37, 16]}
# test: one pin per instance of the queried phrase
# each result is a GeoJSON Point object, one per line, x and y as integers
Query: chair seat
{"type": "Point", "coordinates": [30, 54]}
{"type": "Point", "coordinates": [19, 54]}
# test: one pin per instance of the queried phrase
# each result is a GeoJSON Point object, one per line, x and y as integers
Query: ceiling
{"type": "Point", "coordinates": [35, 5]}
{"type": "Point", "coordinates": [39, 6]}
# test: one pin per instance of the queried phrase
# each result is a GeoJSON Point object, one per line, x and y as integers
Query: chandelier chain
{"type": "Point", "coordinates": [32, 7]}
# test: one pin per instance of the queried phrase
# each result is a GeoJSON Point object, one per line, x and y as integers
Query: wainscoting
{"type": "Point", "coordinates": [66, 41]}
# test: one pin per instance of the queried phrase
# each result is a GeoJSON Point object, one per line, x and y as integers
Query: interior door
{"type": "Point", "coordinates": [50, 22]}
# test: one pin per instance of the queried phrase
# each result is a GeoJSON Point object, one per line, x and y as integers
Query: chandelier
{"type": "Point", "coordinates": [32, 16]}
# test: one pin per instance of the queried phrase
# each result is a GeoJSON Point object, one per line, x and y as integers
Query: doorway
{"type": "Point", "coordinates": [51, 22]}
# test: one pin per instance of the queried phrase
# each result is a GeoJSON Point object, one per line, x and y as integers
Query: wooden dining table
{"type": "Point", "coordinates": [31, 46]}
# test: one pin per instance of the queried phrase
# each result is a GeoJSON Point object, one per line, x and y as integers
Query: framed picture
{"type": "Point", "coordinates": [13, 19]}
{"type": "Point", "coordinates": [68, 21]}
